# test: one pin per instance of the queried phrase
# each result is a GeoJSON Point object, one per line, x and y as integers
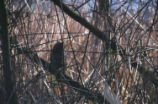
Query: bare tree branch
{"type": "Point", "coordinates": [103, 37]}
{"type": "Point", "coordinates": [94, 96]}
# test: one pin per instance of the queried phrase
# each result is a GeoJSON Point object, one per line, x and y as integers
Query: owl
{"type": "Point", "coordinates": [57, 59]}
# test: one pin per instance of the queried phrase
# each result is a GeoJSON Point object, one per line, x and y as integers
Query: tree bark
{"type": "Point", "coordinates": [10, 96]}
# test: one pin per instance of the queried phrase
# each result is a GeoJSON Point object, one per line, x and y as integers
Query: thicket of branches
{"type": "Point", "coordinates": [110, 51]}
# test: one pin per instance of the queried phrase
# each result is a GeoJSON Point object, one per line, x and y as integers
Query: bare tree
{"type": "Point", "coordinates": [109, 51]}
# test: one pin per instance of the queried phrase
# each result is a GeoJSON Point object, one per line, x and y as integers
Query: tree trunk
{"type": "Point", "coordinates": [10, 95]}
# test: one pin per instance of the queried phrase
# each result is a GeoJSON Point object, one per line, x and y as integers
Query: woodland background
{"type": "Point", "coordinates": [110, 51]}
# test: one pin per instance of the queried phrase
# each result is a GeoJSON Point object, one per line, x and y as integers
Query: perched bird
{"type": "Point", "coordinates": [57, 59]}
{"type": "Point", "coordinates": [113, 43]}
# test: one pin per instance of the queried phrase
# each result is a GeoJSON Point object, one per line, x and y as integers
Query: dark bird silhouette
{"type": "Point", "coordinates": [57, 59]}
{"type": "Point", "coordinates": [113, 43]}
